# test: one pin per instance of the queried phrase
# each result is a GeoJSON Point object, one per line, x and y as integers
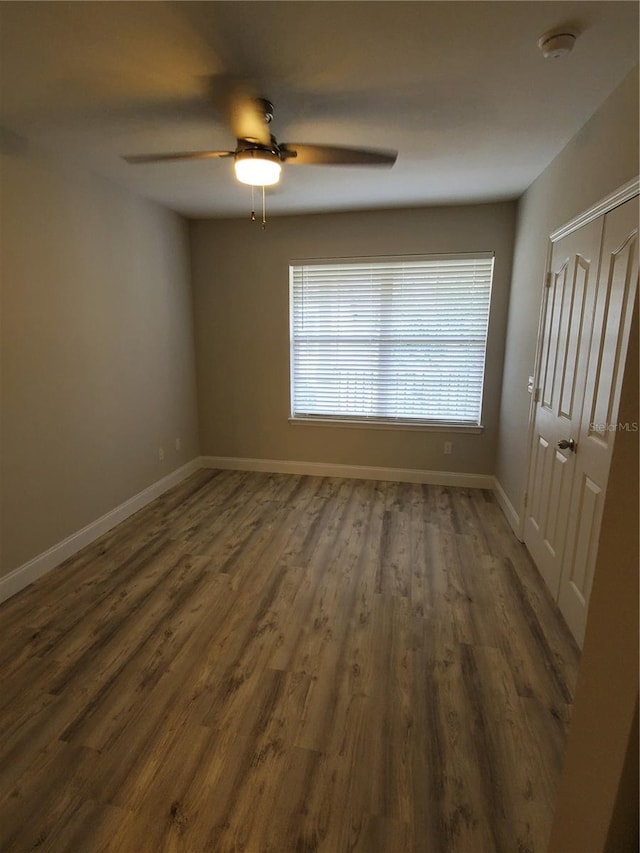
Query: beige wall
{"type": "Point", "coordinates": [595, 807]}
{"type": "Point", "coordinates": [97, 366]}
{"type": "Point", "coordinates": [240, 278]}
{"type": "Point", "coordinates": [600, 158]}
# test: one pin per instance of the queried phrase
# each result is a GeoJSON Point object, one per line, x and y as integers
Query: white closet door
{"type": "Point", "coordinates": [615, 294]}
{"type": "Point", "coordinates": [566, 335]}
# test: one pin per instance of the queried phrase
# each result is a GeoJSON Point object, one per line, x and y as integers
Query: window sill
{"type": "Point", "coordinates": [386, 425]}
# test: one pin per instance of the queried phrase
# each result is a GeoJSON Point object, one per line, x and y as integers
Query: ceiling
{"type": "Point", "coordinates": [460, 89]}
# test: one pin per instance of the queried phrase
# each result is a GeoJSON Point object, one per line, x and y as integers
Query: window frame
{"type": "Point", "coordinates": [375, 421]}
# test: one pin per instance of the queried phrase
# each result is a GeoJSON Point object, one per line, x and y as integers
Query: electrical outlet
{"type": "Point", "coordinates": [178, 444]}
{"type": "Point", "coordinates": [161, 454]}
{"type": "Point", "coordinates": [448, 448]}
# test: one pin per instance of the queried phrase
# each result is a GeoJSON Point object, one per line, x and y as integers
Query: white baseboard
{"type": "Point", "coordinates": [30, 571]}
{"type": "Point", "coordinates": [507, 507]}
{"type": "Point", "coordinates": [354, 472]}
{"type": "Point", "coordinates": [35, 568]}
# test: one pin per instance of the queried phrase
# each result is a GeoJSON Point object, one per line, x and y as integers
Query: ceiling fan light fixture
{"type": "Point", "coordinates": [257, 168]}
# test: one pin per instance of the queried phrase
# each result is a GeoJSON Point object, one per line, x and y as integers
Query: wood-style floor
{"type": "Point", "coordinates": [272, 663]}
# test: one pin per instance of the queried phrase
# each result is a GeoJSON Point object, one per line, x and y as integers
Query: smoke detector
{"type": "Point", "coordinates": [556, 44]}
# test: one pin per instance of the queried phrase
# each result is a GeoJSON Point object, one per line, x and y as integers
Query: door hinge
{"type": "Point", "coordinates": [547, 281]}
{"type": "Point", "coordinates": [537, 394]}
{"type": "Point", "coordinates": [525, 503]}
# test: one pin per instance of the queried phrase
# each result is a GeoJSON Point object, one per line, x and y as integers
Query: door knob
{"type": "Point", "coordinates": [567, 444]}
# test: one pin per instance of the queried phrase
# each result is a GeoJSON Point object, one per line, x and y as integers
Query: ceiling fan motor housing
{"type": "Point", "coordinates": [267, 108]}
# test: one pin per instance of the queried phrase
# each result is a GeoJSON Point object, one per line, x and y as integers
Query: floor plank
{"type": "Point", "coordinates": [271, 663]}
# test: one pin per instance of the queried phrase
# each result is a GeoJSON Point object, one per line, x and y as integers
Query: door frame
{"type": "Point", "coordinates": [614, 199]}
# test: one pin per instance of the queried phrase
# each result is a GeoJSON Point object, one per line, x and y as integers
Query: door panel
{"type": "Point", "coordinates": [566, 336]}
{"type": "Point", "coordinates": [617, 299]}
{"type": "Point", "coordinates": [538, 475]}
{"type": "Point", "coordinates": [573, 336]}
{"type": "Point", "coordinates": [555, 303]}
{"type": "Point", "coordinates": [615, 293]}
{"type": "Point", "coordinates": [556, 512]}
{"type": "Point", "coordinates": [579, 568]}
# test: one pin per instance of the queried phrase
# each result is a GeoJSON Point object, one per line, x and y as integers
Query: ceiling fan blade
{"type": "Point", "coordinates": [247, 115]}
{"type": "Point", "coordinates": [332, 155]}
{"type": "Point", "coordinates": [176, 155]}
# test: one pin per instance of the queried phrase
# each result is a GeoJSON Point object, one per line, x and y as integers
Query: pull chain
{"type": "Point", "coordinates": [264, 207]}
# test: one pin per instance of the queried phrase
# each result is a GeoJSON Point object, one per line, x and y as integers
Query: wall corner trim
{"type": "Point", "coordinates": [352, 472]}
{"type": "Point", "coordinates": [38, 566]}
{"type": "Point", "coordinates": [609, 202]}
{"type": "Point", "coordinates": [507, 507]}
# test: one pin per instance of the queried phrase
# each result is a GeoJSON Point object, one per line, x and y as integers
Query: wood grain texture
{"type": "Point", "coordinates": [273, 663]}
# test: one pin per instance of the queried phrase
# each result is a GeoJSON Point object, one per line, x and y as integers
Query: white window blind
{"type": "Point", "coordinates": [390, 339]}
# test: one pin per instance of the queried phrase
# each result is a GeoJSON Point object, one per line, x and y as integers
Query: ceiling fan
{"type": "Point", "coordinates": [258, 156]}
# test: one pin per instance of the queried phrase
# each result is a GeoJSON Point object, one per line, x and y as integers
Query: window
{"type": "Point", "coordinates": [390, 339]}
